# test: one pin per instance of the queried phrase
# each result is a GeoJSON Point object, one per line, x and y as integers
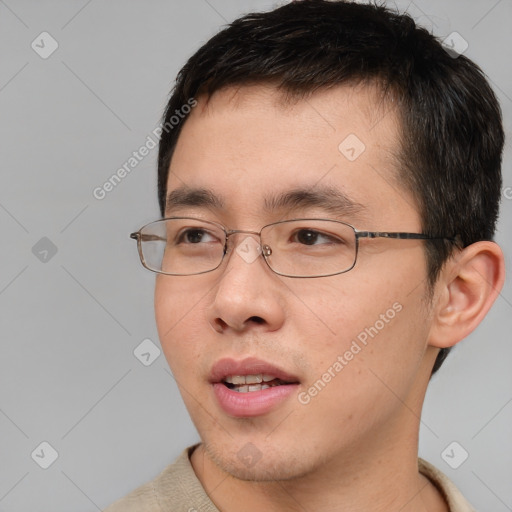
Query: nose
{"type": "Point", "coordinates": [247, 295]}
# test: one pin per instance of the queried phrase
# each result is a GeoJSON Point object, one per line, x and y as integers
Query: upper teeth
{"type": "Point", "coordinates": [249, 379]}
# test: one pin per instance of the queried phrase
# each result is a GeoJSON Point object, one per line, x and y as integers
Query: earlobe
{"type": "Point", "coordinates": [466, 289]}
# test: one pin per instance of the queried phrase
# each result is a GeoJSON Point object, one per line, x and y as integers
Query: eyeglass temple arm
{"type": "Point", "coordinates": [407, 236]}
{"type": "Point", "coordinates": [145, 238]}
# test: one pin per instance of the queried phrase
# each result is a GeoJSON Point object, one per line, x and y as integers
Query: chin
{"type": "Point", "coordinates": [252, 464]}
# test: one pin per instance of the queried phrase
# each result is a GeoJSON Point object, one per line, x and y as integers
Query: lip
{"type": "Point", "coordinates": [254, 403]}
{"type": "Point", "coordinates": [250, 366]}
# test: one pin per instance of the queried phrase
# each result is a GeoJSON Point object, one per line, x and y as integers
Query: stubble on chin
{"type": "Point", "coordinates": [251, 464]}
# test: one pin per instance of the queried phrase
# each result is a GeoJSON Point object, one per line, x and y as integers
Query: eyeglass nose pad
{"type": "Point", "coordinates": [266, 249]}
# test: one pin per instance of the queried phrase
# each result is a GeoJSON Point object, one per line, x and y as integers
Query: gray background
{"type": "Point", "coordinates": [70, 323]}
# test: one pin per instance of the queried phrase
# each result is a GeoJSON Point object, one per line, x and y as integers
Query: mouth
{"type": "Point", "coordinates": [251, 383]}
{"type": "Point", "coordinates": [250, 387]}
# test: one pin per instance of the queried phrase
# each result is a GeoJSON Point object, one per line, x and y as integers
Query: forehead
{"type": "Point", "coordinates": [249, 143]}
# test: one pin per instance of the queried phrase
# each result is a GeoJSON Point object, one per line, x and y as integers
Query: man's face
{"type": "Point", "coordinates": [350, 348]}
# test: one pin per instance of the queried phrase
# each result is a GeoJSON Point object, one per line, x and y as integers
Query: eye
{"type": "Point", "coordinates": [314, 237]}
{"type": "Point", "coordinates": [195, 236]}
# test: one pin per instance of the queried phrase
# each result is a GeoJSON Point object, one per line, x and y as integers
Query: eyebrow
{"type": "Point", "coordinates": [196, 197]}
{"type": "Point", "coordinates": [332, 200]}
{"type": "Point", "coordinates": [329, 199]}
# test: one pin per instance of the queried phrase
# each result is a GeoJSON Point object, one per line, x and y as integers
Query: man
{"type": "Point", "coordinates": [329, 177]}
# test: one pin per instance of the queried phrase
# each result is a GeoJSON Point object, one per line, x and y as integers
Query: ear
{"type": "Point", "coordinates": [468, 285]}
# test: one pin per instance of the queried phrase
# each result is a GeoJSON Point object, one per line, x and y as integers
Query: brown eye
{"type": "Point", "coordinates": [307, 237]}
{"type": "Point", "coordinates": [195, 236]}
{"type": "Point", "coordinates": [314, 237]}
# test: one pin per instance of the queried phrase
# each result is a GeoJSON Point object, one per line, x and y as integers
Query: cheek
{"type": "Point", "coordinates": [177, 298]}
{"type": "Point", "coordinates": [374, 323]}
{"type": "Point", "coordinates": [366, 371]}
{"type": "Point", "coordinates": [179, 314]}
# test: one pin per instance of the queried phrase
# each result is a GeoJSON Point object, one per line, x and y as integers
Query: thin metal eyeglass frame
{"type": "Point", "coordinates": [267, 250]}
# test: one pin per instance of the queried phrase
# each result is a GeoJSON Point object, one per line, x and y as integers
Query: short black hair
{"type": "Point", "coordinates": [451, 127]}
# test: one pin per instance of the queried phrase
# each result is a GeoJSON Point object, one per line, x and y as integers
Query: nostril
{"type": "Point", "coordinates": [219, 325]}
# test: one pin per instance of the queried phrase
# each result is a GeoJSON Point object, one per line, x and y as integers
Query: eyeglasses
{"type": "Point", "coordinates": [184, 246]}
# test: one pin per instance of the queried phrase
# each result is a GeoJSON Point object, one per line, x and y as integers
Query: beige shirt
{"type": "Point", "coordinates": [177, 489]}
